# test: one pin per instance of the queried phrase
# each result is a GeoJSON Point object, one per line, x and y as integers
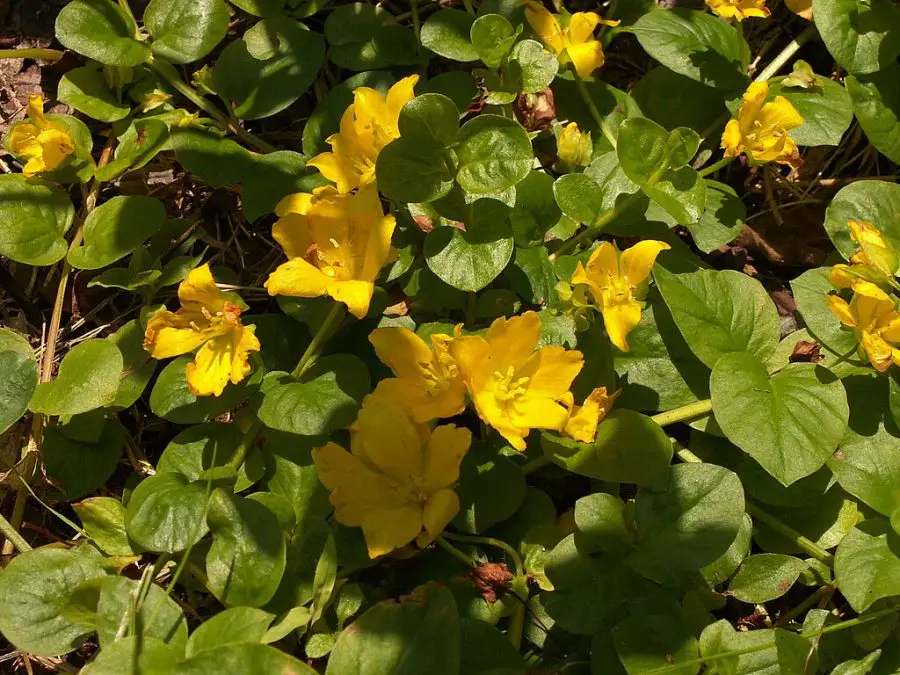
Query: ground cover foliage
{"type": "Point", "coordinates": [483, 338]}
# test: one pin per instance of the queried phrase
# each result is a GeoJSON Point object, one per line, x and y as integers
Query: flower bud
{"type": "Point", "coordinates": [574, 147]}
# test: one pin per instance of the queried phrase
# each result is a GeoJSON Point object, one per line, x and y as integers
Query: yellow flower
{"type": "Point", "coordinates": [584, 419]}
{"type": "Point", "coordinates": [761, 129]}
{"type": "Point", "coordinates": [367, 125]}
{"type": "Point", "coordinates": [573, 147]}
{"type": "Point", "coordinates": [876, 260]}
{"type": "Point", "coordinates": [336, 245]}
{"type": "Point", "coordinates": [154, 99]}
{"type": "Point", "coordinates": [874, 320]}
{"type": "Point", "coordinates": [575, 43]}
{"type": "Point", "coordinates": [428, 383]}
{"type": "Point", "coordinates": [398, 478]}
{"type": "Point", "coordinates": [43, 143]}
{"type": "Point", "coordinates": [515, 386]}
{"type": "Point", "coordinates": [739, 9]}
{"type": "Point", "coordinates": [619, 283]}
{"type": "Point", "coordinates": [209, 320]}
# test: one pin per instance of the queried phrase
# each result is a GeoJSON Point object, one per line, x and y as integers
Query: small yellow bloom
{"type": "Point", "coordinates": [619, 283]}
{"type": "Point", "coordinates": [398, 478]}
{"type": "Point", "coordinates": [43, 143]}
{"type": "Point", "coordinates": [876, 261]}
{"type": "Point", "coordinates": [336, 245]}
{"type": "Point", "coordinates": [428, 383]}
{"type": "Point", "coordinates": [573, 147]}
{"type": "Point", "coordinates": [367, 125]}
{"type": "Point", "coordinates": [874, 320]}
{"type": "Point", "coordinates": [573, 43]}
{"type": "Point", "coordinates": [739, 9]}
{"type": "Point", "coordinates": [515, 386]}
{"type": "Point", "coordinates": [154, 99]}
{"type": "Point", "coordinates": [209, 320]}
{"type": "Point", "coordinates": [584, 419]}
{"type": "Point", "coordinates": [761, 129]}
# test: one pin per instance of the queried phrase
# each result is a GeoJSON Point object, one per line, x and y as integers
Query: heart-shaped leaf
{"type": "Point", "coordinates": [115, 229]}
{"type": "Point", "coordinates": [88, 378]}
{"type": "Point", "coordinates": [35, 215]}
{"type": "Point", "coordinates": [100, 30]}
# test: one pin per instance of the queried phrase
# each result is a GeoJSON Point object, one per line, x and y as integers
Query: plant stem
{"type": "Point", "coordinates": [240, 453]}
{"type": "Point", "coordinates": [166, 71]}
{"type": "Point", "coordinates": [315, 345]}
{"type": "Point", "coordinates": [469, 8]}
{"type": "Point", "coordinates": [590, 231]}
{"type": "Point", "coordinates": [455, 552]}
{"type": "Point", "coordinates": [684, 413]}
{"type": "Point", "coordinates": [787, 531]}
{"type": "Point", "coordinates": [592, 107]}
{"type": "Point", "coordinates": [792, 47]}
{"type": "Point", "coordinates": [43, 54]}
{"type": "Point", "coordinates": [712, 168]}
{"type": "Point", "coordinates": [12, 536]}
{"type": "Point", "coordinates": [807, 604]}
{"type": "Point", "coordinates": [490, 541]}
{"type": "Point", "coordinates": [535, 465]}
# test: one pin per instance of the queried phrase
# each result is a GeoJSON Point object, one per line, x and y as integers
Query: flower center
{"type": "Point", "coordinates": [507, 387]}
{"type": "Point", "coordinates": [616, 291]}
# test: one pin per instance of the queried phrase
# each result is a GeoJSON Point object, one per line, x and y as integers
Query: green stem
{"type": "Point", "coordinates": [469, 8]}
{"type": "Point", "coordinates": [43, 54]}
{"type": "Point", "coordinates": [455, 552]}
{"type": "Point", "coordinates": [722, 163]}
{"type": "Point", "coordinates": [128, 13]}
{"type": "Point", "coordinates": [787, 531]}
{"type": "Point", "coordinates": [792, 47]}
{"type": "Point", "coordinates": [684, 413]}
{"type": "Point", "coordinates": [240, 453]}
{"type": "Point", "coordinates": [490, 541]}
{"type": "Point", "coordinates": [315, 345]}
{"type": "Point", "coordinates": [719, 121]}
{"type": "Point", "coordinates": [12, 536]}
{"type": "Point", "coordinates": [807, 604]}
{"type": "Point", "coordinates": [590, 232]}
{"type": "Point", "coordinates": [592, 107]}
{"type": "Point", "coordinates": [166, 72]}
{"type": "Point", "coordinates": [535, 465]}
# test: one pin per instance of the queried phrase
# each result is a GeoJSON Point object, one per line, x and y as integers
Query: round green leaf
{"type": "Point", "coordinates": [100, 30]}
{"type": "Point", "coordinates": [866, 564]}
{"type": "Point", "coordinates": [115, 229]}
{"type": "Point", "coordinates": [86, 90]}
{"type": "Point", "coordinates": [530, 68]}
{"type": "Point", "coordinates": [629, 448]}
{"type": "Point", "coordinates": [826, 109]}
{"type": "Point", "coordinates": [429, 120]}
{"type": "Point", "coordinates": [446, 33]}
{"type": "Point", "coordinates": [720, 312]}
{"type": "Point", "coordinates": [260, 7]}
{"type": "Point", "coordinates": [20, 377]}
{"type": "Point", "coordinates": [862, 35]}
{"type": "Point", "coordinates": [366, 37]}
{"type": "Point", "coordinates": [674, 100]}
{"type": "Point", "coordinates": [78, 467]}
{"type": "Point", "coordinates": [419, 635]}
{"type": "Point", "coordinates": [645, 642]}
{"type": "Point", "coordinates": [765, 576]}
{"type": "Point", "coordinates": [138, 367]}
{"type": "Point", "coordinates": [873, 200]}
{"type": "Point", "coordinates": [166, 513]}
{"type": "Point", "coordinates": [690, 524]}
{"type": "Point", "coordinates": [247, 556]}
{"type": "Point", "coordinates": [492, 36]}
{"type": "Point", "coordinates": [494, 154]}
{"type": "Point", "coordinates": [600, 519]}
{"type": "Point", "coordinates": [35, 215]}
{"type": "Point", "coordinates": [146, 656]}
{"type": "Point", "coordinates": [203, 447]}
{"type": "Point", "coordinates": [868, 467]}
{"type": "Point", "coordinates": [159, 616]}
{"type": "Point", "coordinates": [269, 68]}
{"type": "Point", "coordinates": [185, 30]}
{"type": "Point", "coordinates": [486, 650]}
{"type": "Point", "coordinates": [34, 589]}
{"type": "Point", "coordinates": [789, 423]}
{"type": "Point", "coordinates": [141, 142]}
{"type": "Point", "coordinates": [412, 174]}
{"type": "Point", "coordinates": [291, 473]}
{"type": "Point", "coordinates": [88, 378]}
{"type": "Point", "coordinates": [876, 102]}
{"type": "Point", "coordinates": [578, 196]}
{"type": "Point", "coordinates": [232, 626]}
{"type": "Point", "coordinates": [246, 659]}
{"type": "Point", "coordinates": [724, 566]}
{"type": "Point", "coordinates": [810, 291]}
{"type": "Point", "coordinates": [695, 44]}
{"type": "Point", "coordinates": [472, 259]}
{"type": "Point", "coordinates": [491, 488]}
{"type": "Point", "coordinates": [458, 86]}
{"type": "Point", "coordinates": [722, 220]}
{"type": "Point", "coordinates": [103, 518]}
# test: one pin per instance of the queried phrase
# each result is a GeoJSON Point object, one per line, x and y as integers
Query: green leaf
{"type": "Point", "coordinates": [80, 468]}
{"type": "Point", "coordinates": [600, 519]}
{"type": "Point", "coordinates": [115, 229]}
{"type": "Point", "coordinates": [138, 367]}
{"type": "Point", "coordinates": [419, 635]}
{"type": "Point", "coordinates": [200, 448]}
{"type": "Point", "coordinates": [629, 448]}
{"type": "Point", "coordinates": [458, 86]}
{"type": "Point", "coordinates": [720, 312]}
{"type": "Point", "coordinates": [674, 100]}
{"type": "Point", "coordinates": [532, 276]}
{"type": "Point", "coordinates": [579, 197]}
{"type": "Point", "coordinates": [132, 656]}
{"type": "Point", "coordinates": [35, 587]}
{"type": "Point", "coordinates": [862, 35]}
{"type": "Point", "coordinates": [158, 616]}
{"type": "Point", "coordinates": [365, 37]}
{"type": "Point", "coordinates": [876, 102]}
{"type": "Point", "coordinates": [491, 489]}
{"type": "Point", "coordinates": [724, 566]}
{"type": "Point", "coordinates": [248, 552]}
{"type": "Point", "coordinates": [872, 200]}
{"type": "Point", "coordinates": [88, 378]}
{"type": "Point", "coordinates": [86, 90]}
{"type": "Point", "coordinates": [535, 211]}
{"type": "Point", "coordinates": [235, 625]}
{"type": "Point", "coordinates": [290, 472]}
{"type": "Point", "coordinates": [304, 550]}
{"type": "Point", "coordinates": [185, 30]}
{"type": "Point", "coordinates": [407, 173]}
{"type": "Point", "coordinates": [614, 106]}
{"type": "Point", "coordinates": [487, 651]}
{"type": "Point", "coordinates": [826, 109]}
{"type": "Point", "coordinates": [529, 69]}
{"type": "Point", "coordinates": [35, 216]}
{"type": "Point", "coordinates": [494, 154]}
{"type": "Point", "coordinates": [470, 260]}
{"type": "Point", "coordinates": [866, 564]}
{"type": "Point", "coordinates": [260, 7]}
{"type": "Point", "coordinates": [20, 370]}
{"type": "Point", "coordinates": [648, 641]}
{"type": "Point", "coordinates": [246, 659]}
{"type": "Point", "coordinates": [810, 291]}
{"type": "Point", "coordinates": [139, 144]}
{"type": "Point", "coordinates": [722, 220]}
{"type": "Point", "coordinates": [325, 399]}
{"type": "Point", "coordinates": [446, 33]}
{"type": "Point", "coordinates": [492, 36]}
{"type": "Point", "coordinates": [824, 520]}
{"type": "Point", "coordinates": [868, 467]}
{"type": "Point", "coordinates": [429, 120]}
{"type": "Point", "coordinates": [695, 44]}
{"type": "Point", "coordinates": [100, 30]}
{"type": "Point", "coordinates": [269, 68]}
{"type": "Point", "coordinates": [765, 576]}
{"type": "Point", "coordinates": [103, 518]}
{"type": "Point", "coordinates": [761, 651]}
{"type": "Point", "coordinates": [690, 524]}
{"type": "Point", "coordinates": [789, 423]}
{"type": "Point", "coordinates": [166, 513]}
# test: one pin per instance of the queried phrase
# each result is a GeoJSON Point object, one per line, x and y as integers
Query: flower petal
{"type": "Point", "coordinates": [440, 509]}
{"type": "Point", "coordinates": [513, 340]}
{"type": "Point", "coordinates": [355, 294]}
{"type": "Point", "coordinates": [386, 438]}
{"type": "Point", "coordinates": [446, 447]}
{"type": "Point", "coordinates": [638, 260]}
{"type": "Point", "coordinates": [841, 309]}
{"type": "Point", "coordinates": [404, 352]}
{"type": "Point", "coordinates": [297, 278]}
{"type": "Point", "coordinates": [399, 95]}
{"type": "Point", "coordinates": [551, 371]}
{"type": "Point", "coordinates": [586, 57]}
{"type": "Point", "coordinates": [200, 288]}
{"type": "Point", "coordinates": [171, 334]}
{"type": "Point", "coordinates": [533, 412]}
{"type": "Point", "coordinates": [581, 26]}
{"type": "Point", "coordinates": [212, 366]}
{"type": "Point", "coordinates": [389, 529]}
{"type": "Point", "coordinates": [620, 320]}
